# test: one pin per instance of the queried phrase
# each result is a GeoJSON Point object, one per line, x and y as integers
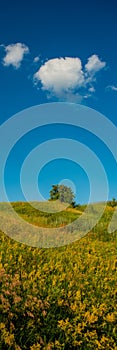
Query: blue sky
{"type": "Point", "coordinates": [53, 52]}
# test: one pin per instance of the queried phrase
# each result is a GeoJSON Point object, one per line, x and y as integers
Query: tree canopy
{"type": "Point", "coordinates": [63, 193]}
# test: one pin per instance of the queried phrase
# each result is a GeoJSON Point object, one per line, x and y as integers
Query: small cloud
{"type": "Point", "coordinates": [111, 87]}
{"type": "Point", "coordinates": [15, 54]}
{"type": "Point", "coordinates": [94, 64]}
{"type": "Point", "coordinates": [2, 46]}
{"type": "Point", "coordinates": [66, 79]}
{"type": "Point", "coordinates": [36, 59]}
{"type": "Point", "coordinates": [91, 89]}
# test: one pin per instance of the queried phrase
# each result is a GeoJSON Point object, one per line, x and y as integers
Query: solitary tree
{"type": "Point", "coordinates": [63, 193]}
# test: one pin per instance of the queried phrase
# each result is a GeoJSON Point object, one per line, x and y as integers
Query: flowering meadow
{"type": "Point", "coordinates": [59, 298]}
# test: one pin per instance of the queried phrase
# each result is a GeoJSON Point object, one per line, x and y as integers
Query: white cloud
{"type": "Point", "coordinates": [36, 59]}
{"type": "Point", "coordinates": [94, 64]}
{"type": "Point", "coordinates": [60, 74]}
{"type": "Point", "coordinates": [66, 79]}
{"type": "Point", "coordinates": [15, 54]}
{"type": "Point", "coordinates": [91, 89]}
{"type": "Point", "coordinates": [112, 87]}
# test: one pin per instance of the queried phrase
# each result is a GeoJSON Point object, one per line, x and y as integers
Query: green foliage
{"type": "Point", "coordinates": [54, 193]}
{"type": "Point", "coordinates": [112, 203]}
{"type": "Point", "coordinates": [60, 298]}
{"type": "Point", "coordinates": [63, 193]}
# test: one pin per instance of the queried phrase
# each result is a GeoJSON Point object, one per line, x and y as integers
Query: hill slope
{"type": "Point", "coordinates": [59, 298]}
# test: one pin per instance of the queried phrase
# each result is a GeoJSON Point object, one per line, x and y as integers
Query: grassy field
{"type": "Point", "coordinates": [59, 298]}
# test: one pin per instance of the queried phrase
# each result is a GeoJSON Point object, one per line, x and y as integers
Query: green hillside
{"type": "Point", "coordinates": [59, 298]}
